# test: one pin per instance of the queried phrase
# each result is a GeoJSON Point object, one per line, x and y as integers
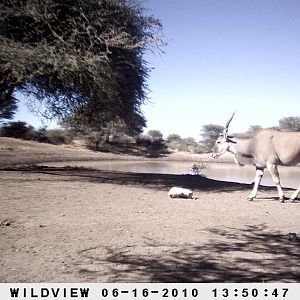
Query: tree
{"type": "Point", "coordinates": [77, 57]}
{"type": "Point", "coordinates": [209, 135]}
{"type": "Point", "coordinates": [155, 135]}
{"type": "Point", "coordinates": [173, 137]}
{"type": "Point", "coordinates": [19, 130]}
{"type": "Point", "coordinates": [8, 107]}
{"type": "Point", "coordinates": [100, 129]}
{"type": "Point", "coordinates": [289, 124]}
{"type": "Point", "coordinates": [253, 129]}
{"type": "Point", "coordinates": [174, 141]}
{"type": "Point", "coordinates": [190, 141]}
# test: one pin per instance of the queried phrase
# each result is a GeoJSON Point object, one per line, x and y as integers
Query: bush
{"type": "Point", "coordinates": [94, 139]}
{"type": "Point", "coordinates": [58, 136]}
{"type": "Point", "coordinates": [157, 145]}
{"type": "Point", "coordinates": [152, 143]}
{"type": "Point", "coordinates": [18, 130]}
{"type": "Point", "coordinates": [143, 140]}
{"type": "Point", "coordinates": [175, 142]}
{"type": "Point", "coordinates": [22, 130]}
{"type": "Point", "coordinates": [197, 168]}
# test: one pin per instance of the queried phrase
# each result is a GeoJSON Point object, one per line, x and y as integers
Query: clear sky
{"type": "Point", "coordinates": [223, 56]}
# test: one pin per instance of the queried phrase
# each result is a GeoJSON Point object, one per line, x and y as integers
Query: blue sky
{"type": "Point", "coordinates": [225, 56]}
{"type": "Point", "coordinates": [222, 56]}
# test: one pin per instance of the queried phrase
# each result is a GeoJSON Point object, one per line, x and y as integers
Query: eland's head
{"type": "Point", "coordinates": [223, 141]}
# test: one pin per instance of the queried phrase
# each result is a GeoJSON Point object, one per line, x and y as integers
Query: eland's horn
{"type": "Point", "coordinates": [228, 122]}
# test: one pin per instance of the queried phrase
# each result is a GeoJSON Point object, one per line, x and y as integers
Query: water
{"type": "Point", "coordinates": [290, 176]}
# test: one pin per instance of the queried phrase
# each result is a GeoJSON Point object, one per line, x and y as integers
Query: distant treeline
{"type": "Point", "coordinates": [153, 139]}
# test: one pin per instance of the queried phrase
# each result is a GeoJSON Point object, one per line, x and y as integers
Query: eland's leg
{"type": "Point", "coordinates": [276, 179]}
{"type": "Point", "coordinates": [258, 176]}
{"type": "Point", "coordinates": [295, 194]}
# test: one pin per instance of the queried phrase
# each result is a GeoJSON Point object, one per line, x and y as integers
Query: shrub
{"type": "Point", "coordinates": [18, 130]}
{"type": "Point", "coordinates": [58, 136]}
{"type": "Point", "coordinates": [157, 145]}
{"type": "Point", "coordinates": [197, 168]}
{"type": "Point", "coordinates": [143, 140]}
{"type": "Point", "coordinates": [22, 130]}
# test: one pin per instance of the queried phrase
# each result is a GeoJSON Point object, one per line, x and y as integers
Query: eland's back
{"type": "Point", "coordinates": [277, 147]}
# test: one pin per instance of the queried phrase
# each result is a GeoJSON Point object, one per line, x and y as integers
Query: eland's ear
{"type": "Point", "coordinates": [230, 140]}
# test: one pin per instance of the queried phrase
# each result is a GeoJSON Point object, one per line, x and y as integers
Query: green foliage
{"type": "Point", "coordinates": [77, 58]}
{"type": "Point", "coordinates": [8, 107]}
{"type": "Point", "coordinates": [173, 138]}
{"type": "Point", "coordinates": [209, 135]}
{"type": "Point", "coordinates": [153, 140]}
{"type": "Point", "coordinates": [19, 130]}
{"type": "Point", "coordinates": [155, 135]}
{"type": "Point", "coordinates": [289, 124]}
{"type": "Point", "coordinates": [22, 130]}
{"type": "Point", "coordinates": [176, 142]}
{"type": "Point", "coordinates": [143, 140]}
{"type": "Point", "coordinates": [57, 136]}
{"type": "Point", "coordinates": [197, 168]}
{"type": "Point", "coordinates": [104, 132]}
{"type": "Point", "coordinates": [253, 129]}
{"type": "Point", "coordinates": [94, 139]}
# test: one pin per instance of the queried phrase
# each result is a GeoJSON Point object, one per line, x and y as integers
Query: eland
{"type": "Point", "coordinates": [268, 148]}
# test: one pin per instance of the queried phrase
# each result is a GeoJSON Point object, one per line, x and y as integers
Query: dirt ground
{"type": "Point", "coordinates": [84, 225]}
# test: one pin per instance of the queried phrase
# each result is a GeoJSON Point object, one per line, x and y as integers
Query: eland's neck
{"type": "Point", "coordinates": [241, 146]}
{"type": "Point", "coordinates": [242, 150]}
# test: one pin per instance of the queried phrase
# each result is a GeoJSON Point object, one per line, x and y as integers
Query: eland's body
{"type": "Point", "coordinates": [268, 148]}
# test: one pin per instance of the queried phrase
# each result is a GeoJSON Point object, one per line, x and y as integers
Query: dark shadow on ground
{"type": "Point", "coordinates": [253, 254]}
{"type": "Point", "coordinates": [147, 180]}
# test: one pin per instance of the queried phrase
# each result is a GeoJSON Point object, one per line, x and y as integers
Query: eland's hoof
{"type": "Point", "coordinates": [292, 200]}
{"type": "Point", "coordinates": [282, 199]}
{"type": "Point", "coordinates": [250, 199]}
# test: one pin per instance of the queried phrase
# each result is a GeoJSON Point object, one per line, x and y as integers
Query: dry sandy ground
{"type": "Point", "coordinates": [84, 225]}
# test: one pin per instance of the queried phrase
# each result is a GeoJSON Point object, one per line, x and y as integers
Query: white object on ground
{"type": "Point", "coordinates": [177, 192]}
